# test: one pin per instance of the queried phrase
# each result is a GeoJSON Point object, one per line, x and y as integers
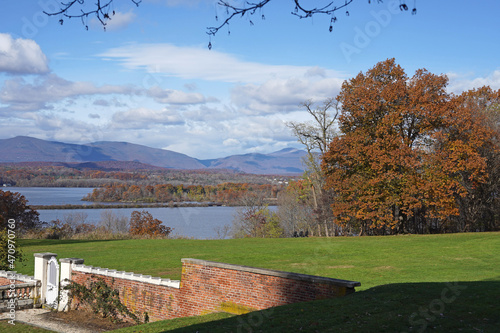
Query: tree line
{"type": "Point", "coordinates": [56, 174]}
{"type": "Point", "coordinates": [225, 193]}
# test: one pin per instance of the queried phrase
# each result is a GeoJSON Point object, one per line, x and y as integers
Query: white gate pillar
{"type": "Point", "coordinates": [41, 260]}
{"type": "Point", "coordinates": [66, 270]}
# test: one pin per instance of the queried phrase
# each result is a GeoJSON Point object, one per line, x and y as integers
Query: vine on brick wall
{"type": "Point", "coordinates": [101, 298]}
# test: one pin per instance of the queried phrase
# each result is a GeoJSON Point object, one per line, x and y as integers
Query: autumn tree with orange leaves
{"type": "Point", "coordinates": [14, 206]}
{"type": "Point", "coordinates": [143, 224]}
{"type": "Point", "coordinates": [408, 153]}
{"type": "Point", "coordinates": [480, 209]}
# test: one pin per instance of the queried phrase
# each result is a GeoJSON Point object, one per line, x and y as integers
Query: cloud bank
{"type": "Point", "coordinates": [23, 95]}
{"type": "Point", "coordinates": [201, 63]}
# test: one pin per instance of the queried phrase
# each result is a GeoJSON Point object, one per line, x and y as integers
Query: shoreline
{"type": "Point", "coordinates": [128, 205]}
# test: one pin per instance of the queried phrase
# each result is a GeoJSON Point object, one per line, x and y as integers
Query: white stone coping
{"type": "Point", "coordinates": [18, 277]}
{"type": "Point", "coordinates": [126, 275]}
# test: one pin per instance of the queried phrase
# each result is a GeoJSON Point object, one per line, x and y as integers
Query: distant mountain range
{"type": "Point", "coordinates": [28, 149]}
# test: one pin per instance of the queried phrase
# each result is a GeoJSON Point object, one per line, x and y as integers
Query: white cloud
{"type": "Point", "coordinates": [201, 63]}
{"type": "Point", "coordinates": [101, 102]}
{"type": "Point", "coordinates": [460, 82]}
{"type": "Point", "coordinates": [316, 71]}
{"type": "Point", "coordinates": [113, 102]}
{"type": "Point", "coordinates": [168, 96]}
{"type": "Point", "coordinates": [53, 127]}
{"type": "Point", "coordinates": [231, 142]}
{"type": "Point", "coordinates": [143, 118]}
{"type": "Point", "coordinates": [283, 95]}
{"type": "Point", "coordinates": [211, 114]}
{"type": "Point", "coordinates": [191, 86]}
{"type": "Point", "coordinates": [21, 56]}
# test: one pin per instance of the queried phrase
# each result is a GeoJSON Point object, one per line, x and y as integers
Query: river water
{"type": "Point", "coordinates": [193, 222]}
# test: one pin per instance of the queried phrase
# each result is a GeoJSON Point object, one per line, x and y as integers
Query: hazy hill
{"type": "Point", "coordinates": [124, 151]}
{"type": "Point", "coordinates": [99, 165]}
{"type": "Point", "coordinates": [28, 149]}
{"type": "Point", "coordinates": [281, 162]}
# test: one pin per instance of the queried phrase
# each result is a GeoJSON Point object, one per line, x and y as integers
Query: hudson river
{"type": "Point", "coordinates": [195, 222]}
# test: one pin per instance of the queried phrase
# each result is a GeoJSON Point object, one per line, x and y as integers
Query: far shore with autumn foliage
{"type": "Point", "coordinates": [225, 193]}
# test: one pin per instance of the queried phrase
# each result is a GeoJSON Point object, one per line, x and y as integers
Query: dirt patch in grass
{"type": "Point", "coordinates": [383, 268]}
{"type": "Point", "coordinates": [86, 320]}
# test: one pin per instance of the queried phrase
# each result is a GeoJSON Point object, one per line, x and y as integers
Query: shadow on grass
{"type": "Point", "coordinates": [406, 307]}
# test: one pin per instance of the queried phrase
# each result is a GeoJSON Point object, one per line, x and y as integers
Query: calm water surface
{"type": "Point", "coordinates": [53, 195]}
{"type": "Point", "coordinates": [196, 222]}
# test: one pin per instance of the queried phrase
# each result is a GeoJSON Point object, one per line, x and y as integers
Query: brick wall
{"type": "Point", "coordinates": [210, 287]}
{"type": "Point", "coordinates": [157, 297]}
{"type": "Point", "coordinates": [160, 302]}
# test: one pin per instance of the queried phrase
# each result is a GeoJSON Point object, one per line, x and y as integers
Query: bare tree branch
{"type": "Point", "coordinates": [329, 9]}
{"type": "Point", "coordinates": [102, 11]}
{"type": "Point", "coordinates": [319, 134]}
{"type": "Point", "coordinates": [300, 11]}
{"type": "Point", "coordinates": [233, 11]}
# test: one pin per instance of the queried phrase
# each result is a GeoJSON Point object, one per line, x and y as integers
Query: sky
{"type": "Point", "coordinates": [151, 79]}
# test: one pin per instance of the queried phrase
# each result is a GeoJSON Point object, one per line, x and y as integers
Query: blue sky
{"type": "Point", "coordinates": [150, 78]}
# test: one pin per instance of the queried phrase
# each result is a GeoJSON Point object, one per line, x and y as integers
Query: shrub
{"type": "Point", "coordinates": [143, 224]}
{"type": "Point", "coordinates": [101, 298]}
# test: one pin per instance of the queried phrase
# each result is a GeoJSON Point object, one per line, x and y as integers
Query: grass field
{"type": "Point", "coordinates": [409, 283]}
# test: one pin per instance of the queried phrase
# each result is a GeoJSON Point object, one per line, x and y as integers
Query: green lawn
{"type": "Point", "coordinates": [371, 260]}
{"type": "Point", "coordinates": [404, 279]}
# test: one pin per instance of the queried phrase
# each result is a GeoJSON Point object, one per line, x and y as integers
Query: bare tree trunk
{"type": "Point", "coordinates": [315, 200]}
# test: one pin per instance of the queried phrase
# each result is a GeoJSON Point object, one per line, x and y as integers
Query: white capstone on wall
{"type": "Point", "coordinates": [126, 275]}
